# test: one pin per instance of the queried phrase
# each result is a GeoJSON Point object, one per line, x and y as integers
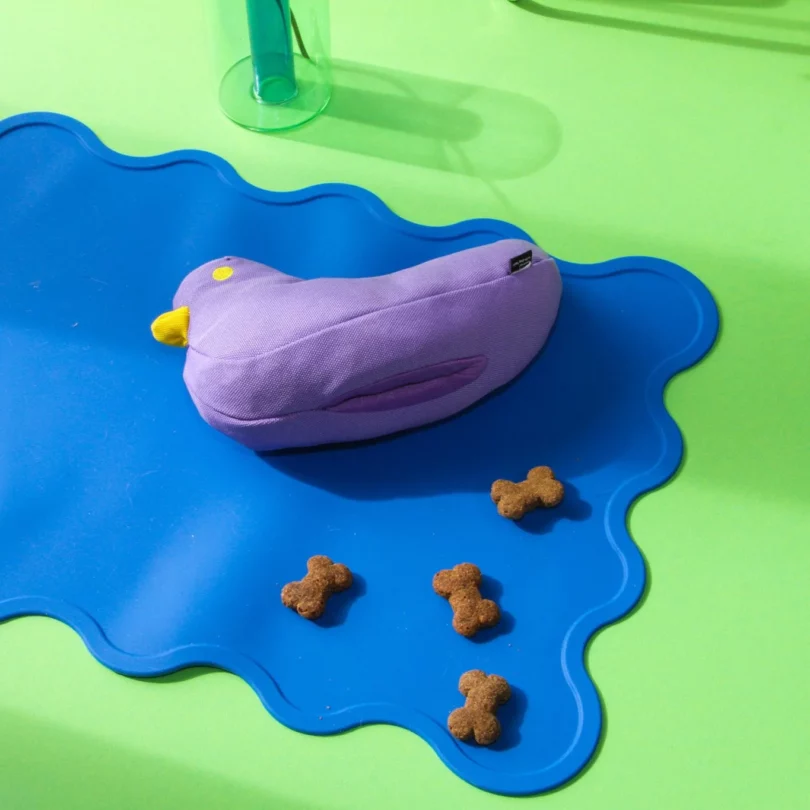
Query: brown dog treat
{"type": "Point", "coordinates": [477, 718]}
{"type": "Point", "coordinates": [309, 595]}
{"type": "Point", "coordinates": [460, 585]}
{"type": "Point", "coordinates": [540, 488]}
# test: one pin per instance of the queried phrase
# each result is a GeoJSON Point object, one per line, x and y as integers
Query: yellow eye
{"type": "Point", "coordinates": [222, 273]}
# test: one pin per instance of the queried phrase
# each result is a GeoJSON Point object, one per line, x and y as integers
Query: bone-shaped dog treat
{"type": "Point", "coordinates": [477, 718]}
{"type": "Point", "coordinates": [460, 586]}
{"type": "Point", "coordinates": [309, 595]}
{"type": "Point", "coordinates": [540, 488]}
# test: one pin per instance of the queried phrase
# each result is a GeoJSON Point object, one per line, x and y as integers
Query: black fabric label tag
{"type": "Point", "coordinates": [520, 262]}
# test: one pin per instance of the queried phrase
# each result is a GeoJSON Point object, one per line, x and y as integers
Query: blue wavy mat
{"type": "Point", "coordinates": [165, 545]}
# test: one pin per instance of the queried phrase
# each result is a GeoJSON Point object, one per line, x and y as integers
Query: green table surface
{"type": "Point", "coordinates": [680, 130]}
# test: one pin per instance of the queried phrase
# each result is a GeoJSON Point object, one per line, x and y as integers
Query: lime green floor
{"type": "Point", "coordinates": [604, 128]}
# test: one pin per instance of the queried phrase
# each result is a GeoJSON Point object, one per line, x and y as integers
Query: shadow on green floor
{"type": "Point", "coordinates": [181, 675]}
{"type": "Point", "coordinates": [434, 123]}
{"type": "Point", "coordinates": [411, 119]}
{"type": "Point", "coordinates": [47, 766]}
{"type": "Point", "coordinates": [727, 14]}
{"type": "Point", "coordinates": [760, 346]}
{"type": "Point", "coordinates": [732, 13]}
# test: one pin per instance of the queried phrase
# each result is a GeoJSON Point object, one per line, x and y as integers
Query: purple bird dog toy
{"type": "Point", "coordinates": [276, 361]}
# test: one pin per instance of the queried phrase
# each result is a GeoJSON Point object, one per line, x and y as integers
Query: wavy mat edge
{"type": "Point", "coordinates": [582, 686]}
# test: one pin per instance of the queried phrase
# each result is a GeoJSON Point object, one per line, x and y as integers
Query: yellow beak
{"type": "Point", "coordinates": [171, 328]}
